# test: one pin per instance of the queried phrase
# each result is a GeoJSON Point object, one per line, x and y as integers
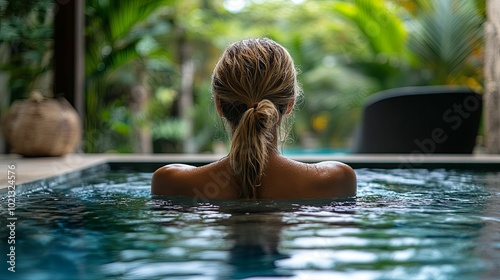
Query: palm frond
{"type": "Point", "coordinates": [384, 30]}
{"type": "Point", "coordinates": [112, 22]}
{"type": "Point", "coordinates": [126, 14]}
{"type": "Point", "coordinates": [120, 57]}
{"type": "Point", "coordinates": [444, 37]}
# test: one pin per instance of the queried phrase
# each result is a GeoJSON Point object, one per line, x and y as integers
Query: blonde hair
{"type": "Point", "coordinates": [254, 82]}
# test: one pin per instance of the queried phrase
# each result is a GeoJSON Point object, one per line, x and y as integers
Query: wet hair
{"type": "Point", "coordinates": [253, 82]}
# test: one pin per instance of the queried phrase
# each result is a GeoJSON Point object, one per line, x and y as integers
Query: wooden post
{"type": "Point", "coordinates": [492, 77]}
{"type": "Point", "coordinates": [69, 52]}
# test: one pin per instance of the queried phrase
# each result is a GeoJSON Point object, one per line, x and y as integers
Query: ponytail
{"type": "Point", "coordinates": [253, 70]}
{"type": "Point", "coordinates": [250, 142]}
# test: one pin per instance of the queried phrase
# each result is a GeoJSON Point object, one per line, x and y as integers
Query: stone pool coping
{"type": "Point", "coordinates": [42, 172]}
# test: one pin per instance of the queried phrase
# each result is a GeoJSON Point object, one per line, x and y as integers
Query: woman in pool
{"type": "Point", "coordinates": [254, 86]}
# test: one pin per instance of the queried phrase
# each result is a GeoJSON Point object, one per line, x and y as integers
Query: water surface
{"type": "Point", "coordinates": [403, 224]}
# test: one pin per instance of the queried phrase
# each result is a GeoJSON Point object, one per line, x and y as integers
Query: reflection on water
{"type": "Point", "coordinates": [404, 224]}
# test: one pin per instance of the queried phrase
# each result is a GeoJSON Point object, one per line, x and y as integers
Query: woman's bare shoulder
{"type": "Point", "coordinates": [175, 167]}
{"type": "Point", "coordinates": [213, 180]}
{"type": "Point", "coordinates": [336, 178]}
{"type": "Point", "coordinates": [172, 170]}
{"type": "Point", "coordinates": [169, 179]}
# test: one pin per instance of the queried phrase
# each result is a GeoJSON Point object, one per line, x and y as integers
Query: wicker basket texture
{"type": "Point", "coordinates": [40, 126]}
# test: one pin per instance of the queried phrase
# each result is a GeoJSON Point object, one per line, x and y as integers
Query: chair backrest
{"type": "Point", "coordinates": [425, 119]}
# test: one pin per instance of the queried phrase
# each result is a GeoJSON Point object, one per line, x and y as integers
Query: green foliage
{"type": "Point", "coordinates": [170, 130]}
{"type": "Point", "coordinates": [444, 38]}
{"type": "Point", "coordinates": [113, 32]}
{"type": "Point", "coordinates": [333, 97]}
{"type": "Point", "coordinates": [113, 36]}
{"type": "Point", "coordinates": [26, 45]}
{"type": "Point", "coordinates": [384, 35]}
{"type": "Point", "coordinates": [345, 50]}
{"type": "Point", "coordinates": [383, 29]}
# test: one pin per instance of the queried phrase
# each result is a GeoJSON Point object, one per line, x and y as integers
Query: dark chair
{"type": "Point", "coordinates": [425, 119]}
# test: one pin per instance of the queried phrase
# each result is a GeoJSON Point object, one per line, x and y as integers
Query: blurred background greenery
{"type": "Point", "coordinates": [148, 62]}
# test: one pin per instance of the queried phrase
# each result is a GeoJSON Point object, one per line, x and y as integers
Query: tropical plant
{"type": "Point", "coordinates": [384, 35]}
{"type": "Point", "coordinates": [438, 42]}
{"type": "Point", "coordinates": [113, 41]}
{"type": "Point", "coordinates": [446, 36]}
{"type": "Point", "coordinates": [26, 47]}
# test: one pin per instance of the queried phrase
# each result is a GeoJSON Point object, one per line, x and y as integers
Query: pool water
{"type": "Point", "coordinates": [403, 224]}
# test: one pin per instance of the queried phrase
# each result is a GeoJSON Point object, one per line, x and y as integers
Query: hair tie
{"type": "Point", "coordinates": [255, 105]}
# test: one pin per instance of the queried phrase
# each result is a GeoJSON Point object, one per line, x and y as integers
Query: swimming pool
{"type": "Point", "coordinates": [403, 224]}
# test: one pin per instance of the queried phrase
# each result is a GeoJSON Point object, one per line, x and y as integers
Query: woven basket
{"type": "Point", "coordinates": [42, 127]}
